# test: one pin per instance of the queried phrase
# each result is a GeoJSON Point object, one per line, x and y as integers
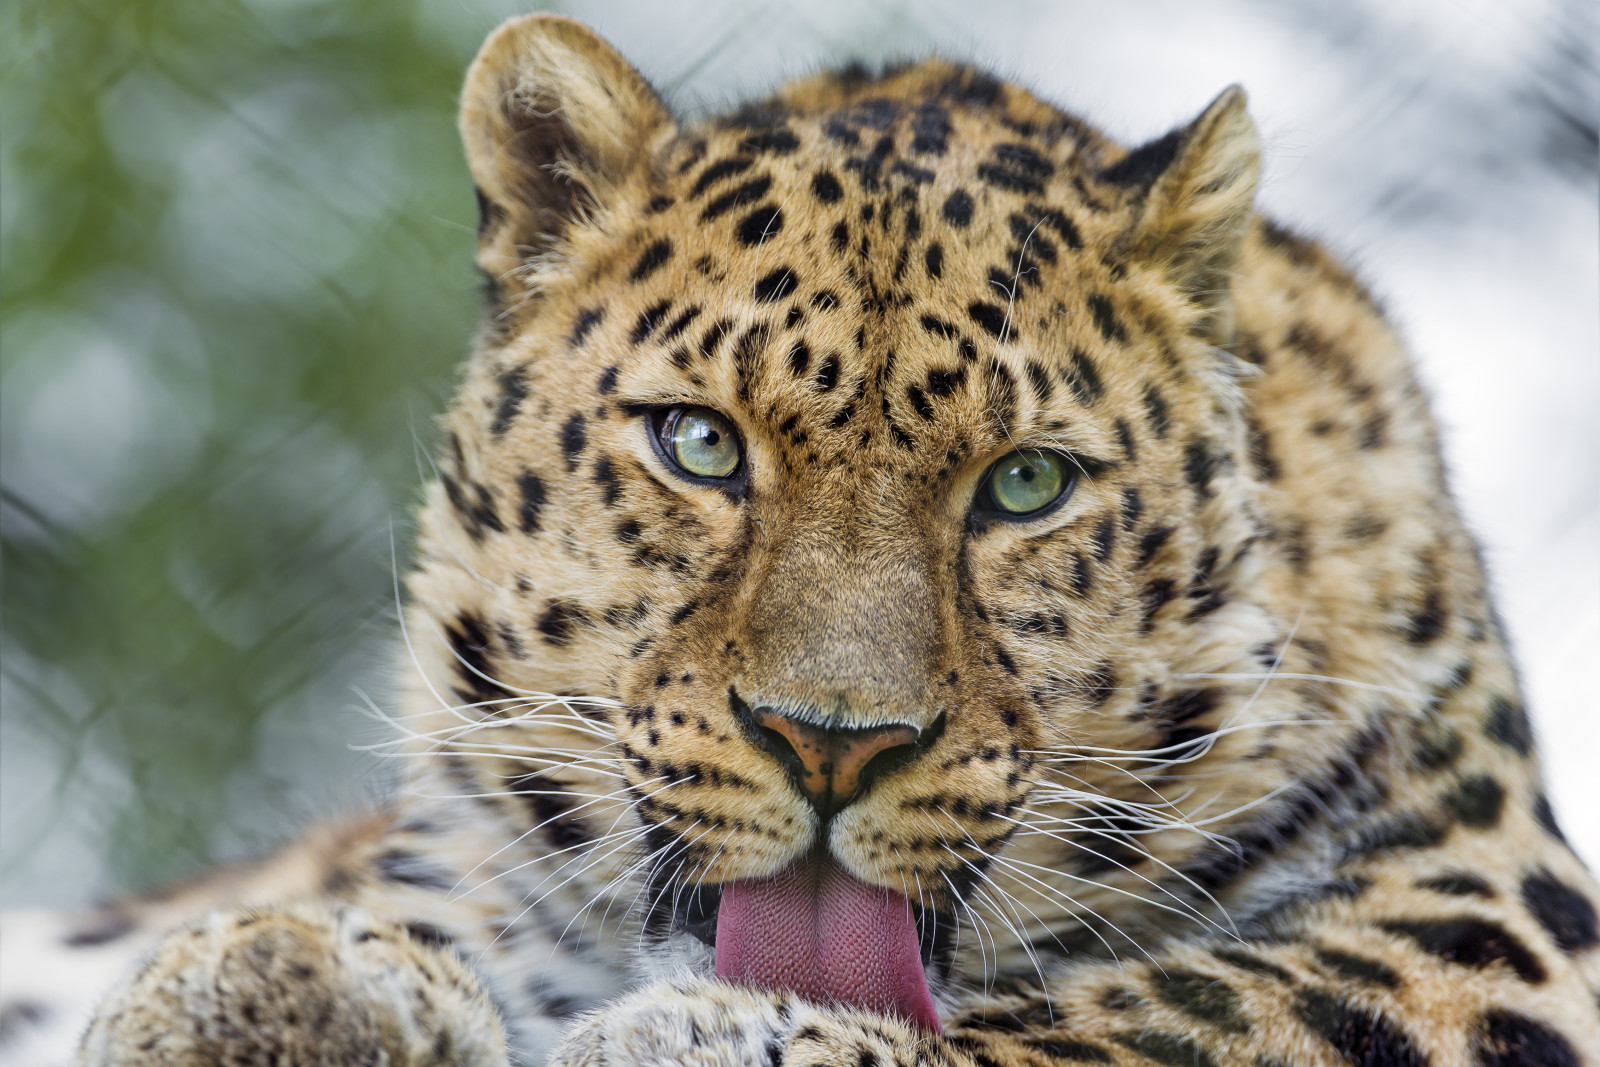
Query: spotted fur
{"type": "Point", "coordinates": [1221, 761]}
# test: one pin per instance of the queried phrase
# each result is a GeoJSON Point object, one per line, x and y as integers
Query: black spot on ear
{"type": "Point", "coordinates": [958, 208]}
{"type": "Point", "coordinates": [651, 260]}
{"type": "Point", "coordinates": [775, 286]}
{"type": "Point", "coordinates": [1506, 1039]}
{"type": "Point", "coordinates": [532, 490]}
{"type": "Point", "coordinates": [826, 187]}
{"type": "Point", "coordinates": [760, 224]}
{"type": "Point", "coordinates": [1143, 165]}
{"type": "Point", "coordinates": [1430, 620]}
{"type": "Point", "coordinates": [573, 439]}
{"type": "Point", "coordinates": [990, 317]}
{"type": "Point", "coordinates": [1508, 724]}
{"type": "Point", "coordinates": [1470, 942]}
{"type": "Point", "coordinates": [1477, 801]}
{"type": "Point", "coordinates": [1545, 816]}
{"type": "Point", "coordinates": [586, 321]}
{"type": "Point", "coordinates": [1565, 913]}
{"type": "Point", "coordinates": [1362, 1036]}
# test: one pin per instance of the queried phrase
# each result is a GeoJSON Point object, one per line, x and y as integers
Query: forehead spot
{"type": "Point", "coordinates": [722, 168]}
{"type": "Point", "coordinates": [651, 260]}
{"type": "Point", "coordinates": [775, 286]}
{"type": "Point", "coordinates": [958, 208]}
{"type": "Point", "coordinates": [760, 224]}
{"type": "Point", "coordinates": [826, 187]}
{"type": "Point", "coordinates": [748, 193]}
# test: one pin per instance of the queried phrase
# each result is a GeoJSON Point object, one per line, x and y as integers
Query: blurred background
{"type": "Point", "coordinates": [235, 281]}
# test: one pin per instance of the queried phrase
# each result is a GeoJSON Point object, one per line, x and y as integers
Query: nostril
{"type": "Point", "coordinates": [884, 762]}
{"type": "Point", "coordinates": [778, 746]}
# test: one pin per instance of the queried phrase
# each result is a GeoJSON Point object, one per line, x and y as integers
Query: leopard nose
{"type": "Point", "coordinates": [832, 764]}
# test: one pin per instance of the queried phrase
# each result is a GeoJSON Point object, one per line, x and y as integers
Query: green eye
{"type": "Point", "coordinates": [702, 443]}
{"type": "Point", "coordinates": [1027, 481]}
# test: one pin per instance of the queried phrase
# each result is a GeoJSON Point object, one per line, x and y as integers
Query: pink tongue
{"type": "Point", "coordinates": [819, 932]}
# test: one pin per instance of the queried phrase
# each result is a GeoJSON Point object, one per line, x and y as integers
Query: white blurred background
{"type": "Point", "coordinates": [207, 411]}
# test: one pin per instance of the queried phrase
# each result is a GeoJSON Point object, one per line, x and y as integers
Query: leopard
{"type": "Point", "coordinates": [910, 580]}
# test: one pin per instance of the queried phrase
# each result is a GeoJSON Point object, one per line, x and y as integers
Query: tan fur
{"type": "Point", "coordinates": [1225, 759]}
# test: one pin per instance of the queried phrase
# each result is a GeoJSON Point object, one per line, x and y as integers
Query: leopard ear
{"type": "Point", "coordinates": [554, 123]}
{"type": "Point", "coordinates": [1198, 190]}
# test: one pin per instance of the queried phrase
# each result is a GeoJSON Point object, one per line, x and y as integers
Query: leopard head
{"type": "Point", "coordinates": [872, 457]}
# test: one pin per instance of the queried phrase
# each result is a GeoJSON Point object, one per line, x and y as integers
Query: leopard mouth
{"type": "Point", "coordinates": [817, 931]}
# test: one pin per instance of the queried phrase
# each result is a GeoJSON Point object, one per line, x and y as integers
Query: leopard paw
{"type": "Point", "coordinates": [295, 986]}
{"type": "Point", "coordinates": [714, 1024]}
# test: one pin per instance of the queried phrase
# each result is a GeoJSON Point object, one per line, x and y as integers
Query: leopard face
{"type": "Point", "coordinates": [896, 406]}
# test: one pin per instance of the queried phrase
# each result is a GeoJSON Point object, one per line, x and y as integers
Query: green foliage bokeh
{"type": "Point", "coordinates": [236, 282]}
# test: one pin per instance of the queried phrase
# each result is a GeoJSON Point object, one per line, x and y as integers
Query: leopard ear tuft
{"type": "Point", "coordinates": [1198, 192]}
{"type": "Point", "coordinates": [554, 123]}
